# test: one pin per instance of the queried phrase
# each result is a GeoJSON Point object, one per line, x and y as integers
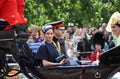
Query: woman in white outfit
{"type": "Point", "coordinates": [114, 27]}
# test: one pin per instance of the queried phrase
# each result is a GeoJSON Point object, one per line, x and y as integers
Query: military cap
{"type": "Point", "coordinates": [57, 24]}
{"type": "Point", "coordinates": [114, 19]}
{"type": "Point", "coordinates": [98, 38]}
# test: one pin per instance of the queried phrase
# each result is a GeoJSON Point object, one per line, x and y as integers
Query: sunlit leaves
{"type": "Point", "coordinates": [91, 12]}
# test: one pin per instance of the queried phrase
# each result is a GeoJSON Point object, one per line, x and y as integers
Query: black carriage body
{"type": "Point", "coordinates": [81, 72]}
{"type": "Point", "coordinates": [8, 43]}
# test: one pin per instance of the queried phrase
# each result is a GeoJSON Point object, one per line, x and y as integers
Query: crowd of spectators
{"type": "Point", "coordinates": [77, 39]}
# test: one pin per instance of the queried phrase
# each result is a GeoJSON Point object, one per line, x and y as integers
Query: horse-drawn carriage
{"type": "Point", "coordinates": [10, 40]}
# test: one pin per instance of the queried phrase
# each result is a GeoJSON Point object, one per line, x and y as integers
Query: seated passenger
{"type": "Point", "coordinates": [47, 52]}
{"type": "Point", "coordinates": [71, 52]}
{"type": "Point", "coordinates": [98, 42]}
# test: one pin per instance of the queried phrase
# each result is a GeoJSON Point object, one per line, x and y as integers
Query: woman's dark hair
{"type": "Point", "coordinates": [118, 24]}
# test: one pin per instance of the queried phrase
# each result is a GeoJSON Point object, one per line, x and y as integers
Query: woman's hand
{"type": "Point", "coordinates": [63, 61]}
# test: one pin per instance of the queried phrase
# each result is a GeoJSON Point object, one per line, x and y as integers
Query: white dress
{"type": "Point", "coordinates": [71, 54]}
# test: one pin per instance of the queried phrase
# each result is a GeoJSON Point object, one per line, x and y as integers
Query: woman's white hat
{"type": "Point", "coordinates": [113, 20]}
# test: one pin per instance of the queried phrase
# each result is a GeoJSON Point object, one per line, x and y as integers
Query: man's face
{"type": "Point", "coordinates": [59, 32]}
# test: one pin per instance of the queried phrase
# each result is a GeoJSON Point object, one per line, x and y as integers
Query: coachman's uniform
{"type": "Point", "coordinates": [12, 11]}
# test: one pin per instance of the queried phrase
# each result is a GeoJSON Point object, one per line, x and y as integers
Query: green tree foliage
{"type": "Point", "coordinates": [91, 12]}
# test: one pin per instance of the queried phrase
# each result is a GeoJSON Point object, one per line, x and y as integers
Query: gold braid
{"type": "Point", "coordinates": [57, 46]}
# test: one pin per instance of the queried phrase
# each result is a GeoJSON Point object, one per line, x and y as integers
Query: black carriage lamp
{"type": "Point", "coordinates": [111, 57]}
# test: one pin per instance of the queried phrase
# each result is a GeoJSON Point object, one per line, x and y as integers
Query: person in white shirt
{"type": "Point", "coordinates": [71, 52]}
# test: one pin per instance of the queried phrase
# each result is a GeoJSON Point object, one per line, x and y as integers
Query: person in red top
{"type": "Point", "coordinates": [12, 11]}
{"type": "Point", "coordinates": [98, 42]}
